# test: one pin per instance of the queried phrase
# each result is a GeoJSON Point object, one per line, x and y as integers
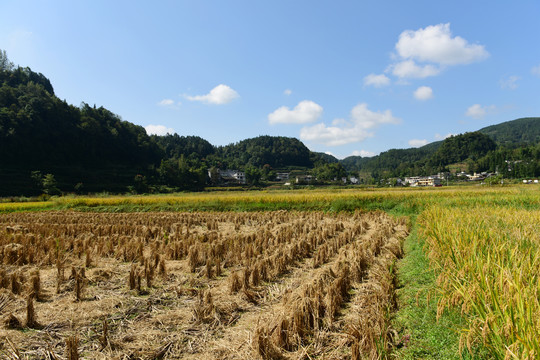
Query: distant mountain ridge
{"type": "Point", "coordinates": [523, 131]}
{"type": "Point", "coordinates": [515, 132]}
{"type": "Point", "coordinates": [91, 149]}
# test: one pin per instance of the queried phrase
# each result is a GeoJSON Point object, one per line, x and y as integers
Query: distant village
{"type": "Point", "coordinates": [237, 177]}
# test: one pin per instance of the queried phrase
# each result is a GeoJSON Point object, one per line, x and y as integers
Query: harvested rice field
{"type": "Point", "coordinates": [198, 285]}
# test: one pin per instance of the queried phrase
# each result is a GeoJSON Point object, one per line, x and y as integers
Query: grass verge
{"type": "Point", "coordinates": [424, 336]}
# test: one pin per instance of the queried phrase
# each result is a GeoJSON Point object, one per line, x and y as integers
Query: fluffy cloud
{"type": "Point", "coordinates": [435, 44]}
{"type": "Point", "coordinates": [409, 69]}
{"type": "Point", "coordinates": [442, 137]}
{"type": "Point", "coordinates": [166, 102]}
{"type": "Point", "coordinates": [536, 70]}
{"type": "Point", "coordinates": [363, 153]}
{"type": "Point", "coordinates": [305, 112]}
{"type": "Point", "coordinates": [510, 82]}
{"type": "Point", "coordinates": [358, 128]}
{"type": "Point", "coordinates": [423, 93]}
{"type": "Point", "coordinates": [158, 130]}
{"type": "Point", "coordinates": [376, 80]}
{"type": "Point", "coordinates": [425, 52]}
{"type": "Point", "coordinates": [478, 111]}
{"type": "Point", "coordinates": [221, 94]}
{"type": "Point", "coordinates": [287, 92]}
{"type": "Point", "coordinates": [417, 142]}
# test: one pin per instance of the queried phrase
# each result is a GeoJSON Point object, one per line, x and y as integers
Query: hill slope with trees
{"type": "Point", "coordinates": [487, 149]}
{"type": "Point", "coordinates": [44, 140]}
{"type": "Point", "coordinates": [82, 145]}
{"type": "Point", "coordinates": [524, 131]}
{"type": "Point", "coordinates": [47, 145]}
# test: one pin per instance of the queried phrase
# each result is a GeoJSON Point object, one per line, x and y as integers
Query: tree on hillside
{"type": "Point", "coordinates": [5, 64]}
{"type": "Point", "coordinates": [329, 172]}
{"type": "Point", "coordinates": [50, 185]}
{"type": "Point", "coordinates": [472, 145]}
{"type": "Point", "coordinates": [253, 175]}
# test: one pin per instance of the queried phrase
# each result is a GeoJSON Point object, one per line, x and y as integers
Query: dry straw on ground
{"type": "Point", "coordinates": [197, 285]}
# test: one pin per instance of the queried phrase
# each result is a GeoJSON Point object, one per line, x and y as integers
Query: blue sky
{"type": "Point", "coordinates": [345, 77]}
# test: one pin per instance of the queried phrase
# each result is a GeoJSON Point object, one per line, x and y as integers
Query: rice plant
{"type": "Point", "coordinates": [489, 263]}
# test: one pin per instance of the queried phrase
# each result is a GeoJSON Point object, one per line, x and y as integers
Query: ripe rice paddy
{"type": "Point", "coordinates": [269, 274]}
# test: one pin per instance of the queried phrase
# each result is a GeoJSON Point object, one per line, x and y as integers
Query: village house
{"type": "Point", "coordinates": [412, 180]}
{"type": "Point", "coordinates": [230, 176]}
{"type": "Point", "coordinates": [433, 180]}
{"type": "Point", "coordinates": [476, 177]}
{"type": "Point", "coordinates": [304, 179]}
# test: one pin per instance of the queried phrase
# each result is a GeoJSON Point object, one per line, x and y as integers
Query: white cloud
{"type": "Point", "coordinates": [158, 130]}
{"type": "Point", "coordinates": [166, 102]}
{"type": "Point", "coordinates": [536, 70]}
{"type": "Point", "coordinates": [442, 137]}
{"type": "Point", "coordinates": [478, 111]}
{"type": "Point", "coordinates": [417, 142]}
{"type": "Point", "coordinates": [329, 153]}
{"type": "Point", "coordinates": [221, 94]}
{"type": "Point", "coordinates": [305, 112]}
{"type": "Point", "coordinates": [332, 135]}
{"type": "Point", "coordinates": [358, 128]}
{"type": "Point", "coordinates": [510, 82]}
{"type": "Point", "coordinates": [423, 93]}
{"type": "Point", "coordinates": [287, 92]}
{"type": "Point", "coordinates": [376, 80]}
{"type": "Point", "coordinates": [363, 153]}
{"type": "Point", "coordinates": [426, 52]}
{"type": "Point", "coordinates": [368, 119]}
{"type": "Point", "coordinates": [409, 69]}
{"type": "Point", "coordinates": [435, 44]}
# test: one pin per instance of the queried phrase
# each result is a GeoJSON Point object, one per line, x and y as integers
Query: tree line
{"type": "Point", "coordinates": [48, 145]}
{"type": "Point", "coordinates": [470, 152]}
{"type": "Point", "coordinates": [90, 149]}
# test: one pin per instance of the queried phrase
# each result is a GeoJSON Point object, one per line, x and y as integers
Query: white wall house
{"type": "Point", "coordinates": [230, 176]}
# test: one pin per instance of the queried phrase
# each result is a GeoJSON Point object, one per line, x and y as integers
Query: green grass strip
{"type": "Point", "coordinates": [425, 337]}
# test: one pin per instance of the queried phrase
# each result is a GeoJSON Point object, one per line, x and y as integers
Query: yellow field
{"type": "Point", "coordinates": [317, 199]}
{"type": "Point", "coordinates": [307, 196]}
{"type": "Point", "coordinates": [22, 206]}
{"type": "Point", "coordinates": [277, 283]}
{"type": "Point", "coordinates": [489, 262]}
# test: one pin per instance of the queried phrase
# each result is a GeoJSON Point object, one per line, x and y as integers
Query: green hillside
{"type": "Point", "coordinates": [79, 145]}
{"type": "Point", "coordinates": [515, 132]}
{"type": "Point", "coordinates": [90, 149]}
{"type": "Point", "coordinates": [276, 151]}
{"type": "Point", "coordinates": [489, 149]}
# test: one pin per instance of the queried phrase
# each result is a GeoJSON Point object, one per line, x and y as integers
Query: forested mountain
{"type": "Point", "coordinates": [79, 145]}
{"type": "Point", "coordinates": [478, 150]}
{"type": "Point", "coordinates": [524, 131]}
{"type": "Point", "coordinates": [49, 145]}
{"type": "Point", "coordinates": [276, 151]}
{"type": "Point", "coordinates": [192, 147]}
{"type": "Point", "coordinates": [89, 149]}
{"type": "Point", "coordinates": [319, 158]}
{"type": "Point", "coordinates": [391, 159]}
{"type": "Point", "coordinates": [472, 145]}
